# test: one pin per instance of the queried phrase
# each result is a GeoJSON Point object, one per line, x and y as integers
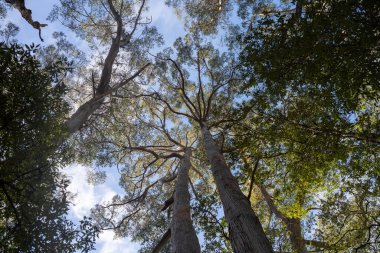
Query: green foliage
{"type": "Point", "coordinates": [33, 193]}
{"type": "Point", "coordinates": [205, 16]}
{"type": "Point", "coordinates": [214, 228]}
{"type": "Point", "coordinates": [314, 124]}
{"type": "Point", "coordinates": [333, 43]}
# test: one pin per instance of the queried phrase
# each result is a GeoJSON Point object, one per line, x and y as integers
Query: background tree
{"type": "Point", "coordinates": [315, 118]}
{"type": "Point", "coordinates": [154, 162]}
{"type": "Point", "coordinates": [116, 22]}
{"type": "Point", "coordinates": [206, 16]}
{"type": "Point", "coordinates": [33, 195]}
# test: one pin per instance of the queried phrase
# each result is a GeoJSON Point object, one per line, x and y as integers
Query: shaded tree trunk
{"type": "Point", "coordinates": [246, 232]}
{"type": "Point", "coordinates": [183, 236]}
{"type": "Point", "coordinates": [292, 224]}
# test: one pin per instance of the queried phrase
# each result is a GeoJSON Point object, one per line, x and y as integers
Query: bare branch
{"type": "Point", "coordinates": [27, 15]}
{"type": "Point", "coordinates": [252, 176]}
{"type": "Point", "coordinates": [191, 106]}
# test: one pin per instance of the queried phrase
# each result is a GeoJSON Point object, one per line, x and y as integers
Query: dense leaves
{"type": "Point", "coordinates": [296, 118]}
{"type": "Point", "coordinates": [333, 43]}
{"type": "Point", "coordinates": [33, 195]}
{"type": "Point", "coordinates": [315, 123]}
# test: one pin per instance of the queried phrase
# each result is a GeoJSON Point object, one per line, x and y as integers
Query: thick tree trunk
{"type": "Point", "coordinates": [81, 115]}
{"type": "Point", "coordinates": [292, 224]}
{"type": "Point", "coordinates": [183, 236]}
{"type": "Point", "coordinates": [246, 232]}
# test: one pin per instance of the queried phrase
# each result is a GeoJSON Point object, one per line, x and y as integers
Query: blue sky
{"type": "Point", "coordinates": [88, 195]}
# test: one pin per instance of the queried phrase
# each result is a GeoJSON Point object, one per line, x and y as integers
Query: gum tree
{"type": "Point", "coordinates": [154, 157]}
{"type": "Point", "coordinates": [205, 100]}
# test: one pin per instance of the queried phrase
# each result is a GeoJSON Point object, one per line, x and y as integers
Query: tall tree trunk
{"type": "Point", "coordinates": [246, 232]}
{"type": "Point", "coordinates": [183, 236]}
{"type": "Point", "coordinates": [292, 224]}
{"type": "Point", "coordinates": [82, 114]}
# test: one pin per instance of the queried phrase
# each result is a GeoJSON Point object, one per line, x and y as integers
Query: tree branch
{"type": "Point", "coordinates": [164, 240]}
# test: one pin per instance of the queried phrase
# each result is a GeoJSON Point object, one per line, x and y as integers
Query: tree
{"type": "Point", "coordinates": [100, 31]}
{"type": "Point", "coordinates": [153, 155]}
{"type": "Point", "coordinates": [101, 87]}
{"type": "Point", "coordinates": [202, 102]}
{"type": "Point", "coordinates": [182, 230]}
{"type": "Point", "coordinates": [206, 16]}
{"type": "Point", "coordinates": [315, 116]}
{"type": "Point", "coordinates": [33, 192]}
{"type": "Point", "coordinates": [293, 124]}
{"type": "Point", "coordinates": [299, 160]}
{"type": "Point", "coordinates": [333, 44]}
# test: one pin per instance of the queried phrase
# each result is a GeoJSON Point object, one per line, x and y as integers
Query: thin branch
{"type": "Point", "coordinates": [252, 176]}
{"type": "Point", "coordinates": [186, 99]}
{"type": "Point", "coordinates": [164, 240]}
{"type": "Point", "coordinates": [168, 203]}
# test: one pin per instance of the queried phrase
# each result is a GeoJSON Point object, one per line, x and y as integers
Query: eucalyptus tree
{"type": "Point", "coordinates": [335, 219]}
{"type": "Point", "coordinates": [116, 29]}
{"type": "Point", "coordinates": [299, 160]}
{"type": "Point", "coordinates": [207, 16]}
{"type": "Point", "coordinates": [317, 113]}
{"type": "Point", "coordinates": [333, 44]}
{"type": "Point", "coordinates": [152, 152]}
{"type": "Point", "coordinates": [206, 98]}
{"type": "Point", "coordinates": [119, 24]}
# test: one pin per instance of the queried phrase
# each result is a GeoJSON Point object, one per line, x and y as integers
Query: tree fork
{"type": "Point", "coordinates": [292, 224]}
{"type": "Point", "coordinates": [164, 240]}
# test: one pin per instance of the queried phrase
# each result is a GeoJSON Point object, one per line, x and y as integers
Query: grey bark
{"type": "Point", "coordinates": [183, 236]}
{"type": "Point", "coordinates": [77, 120]}
{"type": "Point", "coordinates": [246, 232]}
{"type": "Point", "coordinates": [82, 114]}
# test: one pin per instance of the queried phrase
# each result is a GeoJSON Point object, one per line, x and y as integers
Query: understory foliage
{"type": "Point", "coordinates": [315, 128]}
{"type": "Point", "coordinates": [33, 193]}
{"type": "Point", "coordinates": [285, 93]}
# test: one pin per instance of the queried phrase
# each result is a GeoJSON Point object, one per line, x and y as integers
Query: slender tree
{"type": "Point", "coordinates": [205, 107]}
{"type": "Point", "coordinates": [160, 155]}
{"type": "Point", "coordinates": [184, 238]}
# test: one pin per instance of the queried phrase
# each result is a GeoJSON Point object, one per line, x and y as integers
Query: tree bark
{"type": "Point", "coordinates": [292, 224]}
{"type": "Point", "coordinates": [164, 240]}
{"type": "Point", "coordinates": [82, 114]}
{"type": "Point", "coordinates": [183, 236]}
{"type": "Point", "coordinates": [246, 232]}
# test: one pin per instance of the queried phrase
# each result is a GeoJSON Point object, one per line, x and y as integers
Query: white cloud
{"type": "Point", "coordinates": [108, 244]}
{"type": "Point", "coordinates": [87, 196]}
{"type": "Point", "coordinates": [166, 21]}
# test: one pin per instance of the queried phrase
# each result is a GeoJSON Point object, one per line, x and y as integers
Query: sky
{"type": "Point", "coordinates": [88, 195]}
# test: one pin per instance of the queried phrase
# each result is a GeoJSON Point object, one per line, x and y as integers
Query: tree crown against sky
{"type": "Point", "coordinates": [303, 143]}
{"type": "Point", "coordinates": [34, 197]}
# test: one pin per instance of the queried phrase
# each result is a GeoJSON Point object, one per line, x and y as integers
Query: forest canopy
{"type": "Point", "coordinates": [252, 127]}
